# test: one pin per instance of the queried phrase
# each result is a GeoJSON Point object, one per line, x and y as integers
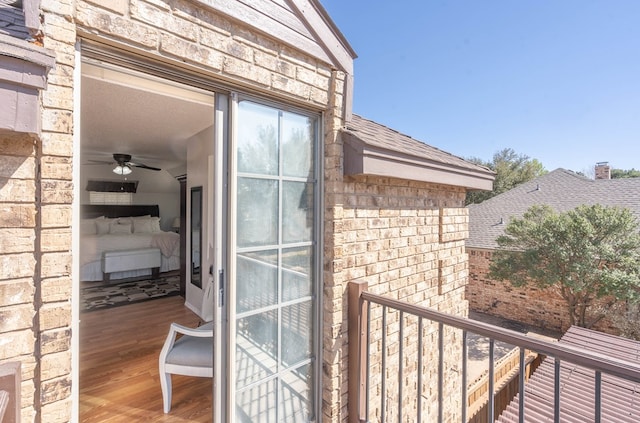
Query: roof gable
{"type": "Point", "coordinates": [561, 189]}
{"type": "Point", "coordinates": [302, 24]}
{"type": "Point", "coordinates": [374, 149]}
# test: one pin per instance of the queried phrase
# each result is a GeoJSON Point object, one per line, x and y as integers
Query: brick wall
{"type": "Point", "coordinates": [406, 239]}
{"type": "Point", "coordinates": [533, 306]}
{"type": "Point", "coordinates": [35, 253]}
{"type": "Point", "coordinates": [18, 283]}
{"type": "Point", "coordinates": [189, 33]}
{"type": "Point", "coordinates": [541, 308]}
{"type": "Point", "coordinates": [56, 196]}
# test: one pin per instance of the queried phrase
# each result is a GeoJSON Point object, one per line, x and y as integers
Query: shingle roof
{"type": "Point", "coordinates": [374, 133]}
{"type": "Point", "coordinates": [365, 138]}
{"type": "Point", "coordinates": [620, 398]}
{"type": "Point", "coordinates": [561, 189]}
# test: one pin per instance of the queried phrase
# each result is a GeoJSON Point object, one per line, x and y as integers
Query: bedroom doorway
{"type": "Point", "coordinates": [129, 107]}
{"type": "Point", "coordinates": [259, 166]}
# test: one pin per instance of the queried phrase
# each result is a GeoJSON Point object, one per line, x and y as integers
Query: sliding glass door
{"type": "Point", "coordinates": [273, 324]}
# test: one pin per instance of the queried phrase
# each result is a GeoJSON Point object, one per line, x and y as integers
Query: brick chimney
{"type": "Point", "coordinates": [603, 171]}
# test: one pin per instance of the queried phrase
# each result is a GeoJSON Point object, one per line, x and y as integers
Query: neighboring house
{"type": "Point", "coordinates": [342, 199]}
{"type": "Point", "coordinates": [561, 189]}
{"type": "Point", "coordinates": [578, 384]}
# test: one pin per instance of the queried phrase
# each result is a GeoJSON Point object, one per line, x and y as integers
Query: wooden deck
{"type": "Point", "coordinates": [119, 379]}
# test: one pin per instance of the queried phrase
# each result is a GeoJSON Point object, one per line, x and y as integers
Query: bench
{"type": "Point", "coordinates": [126, 260]}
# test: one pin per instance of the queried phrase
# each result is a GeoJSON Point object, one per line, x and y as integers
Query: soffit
{"type": "Point", "coordinates": [374, 149]}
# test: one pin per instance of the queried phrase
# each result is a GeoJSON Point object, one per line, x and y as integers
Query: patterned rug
{"type": "Point", "coordinates": [99, 297]}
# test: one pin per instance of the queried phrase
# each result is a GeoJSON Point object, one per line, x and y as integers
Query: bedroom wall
{"type": "Point", "coordinates": [153, 188]}
{"type": "Point", "coordinates": [199, 148]}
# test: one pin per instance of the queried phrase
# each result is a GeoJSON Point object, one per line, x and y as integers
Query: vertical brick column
{"type": "Point", "coordinates": [54, 199]}
{"type": "Point", "coordinates": [334, 346]}
{"type": "Point", "coordinates": [18, 259]}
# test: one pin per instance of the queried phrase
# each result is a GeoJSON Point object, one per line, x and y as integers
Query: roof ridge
{"type": "Point", "coordinates": [560, 188]}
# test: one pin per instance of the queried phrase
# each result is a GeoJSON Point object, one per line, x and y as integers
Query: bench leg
{"type": "Point", "coordinates": [155, 272]}
{"type": "Point", "coordinates": [105, 277]}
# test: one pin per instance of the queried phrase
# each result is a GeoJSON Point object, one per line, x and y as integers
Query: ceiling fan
{"type": "Point", "coordinates": [124, 164]}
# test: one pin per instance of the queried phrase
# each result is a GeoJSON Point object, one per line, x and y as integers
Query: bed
{"type": "Point", "coordinates": [121, 228]}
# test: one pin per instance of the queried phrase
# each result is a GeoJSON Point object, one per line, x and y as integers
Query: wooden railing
{"type": "Point", "coordinates": [505, 379]}
{"type": "Point", "coordinates": [361, 373]}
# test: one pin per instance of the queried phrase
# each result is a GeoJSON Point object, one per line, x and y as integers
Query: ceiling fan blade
{"type": "Point", "coordinates": [143, 166]}
{"type": "Point", "coordinates": [100, 162]}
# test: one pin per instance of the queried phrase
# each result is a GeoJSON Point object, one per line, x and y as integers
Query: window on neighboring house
{"type": "Point", "coordinates": [96, 197]}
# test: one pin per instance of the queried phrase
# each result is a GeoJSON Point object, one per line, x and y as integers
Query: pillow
{"type": "Point", "coordinates": [146, 216]}
{"type": "Point", "coordinates": [142, 226]}
{"type": "Point", "coordinates": [155, 224]}
{"type": "Point", "coordinates": [124, 220]}
{"type": "Point", "coordinates": [102, 226]}
{"type": "Point", "coordinates": [119, 228]}
{"type": "Point", "coordinates": [88, 227]}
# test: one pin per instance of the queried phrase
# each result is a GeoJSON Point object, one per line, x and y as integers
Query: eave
{"type": "Point", "coordinates": [361, 158]}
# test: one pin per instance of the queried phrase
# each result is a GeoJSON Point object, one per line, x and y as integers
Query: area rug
{"type": "Point", "coordinates": [118, 294]}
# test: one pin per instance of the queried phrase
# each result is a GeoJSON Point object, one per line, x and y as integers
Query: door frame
{"type": "Point", "coordinates": [221, 215]}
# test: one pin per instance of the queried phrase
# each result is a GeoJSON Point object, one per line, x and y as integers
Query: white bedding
{"type": "Point", "coordinates": [92, 247]}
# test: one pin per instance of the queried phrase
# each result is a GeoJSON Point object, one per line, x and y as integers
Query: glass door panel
{"type": "Point", "coordinates": [257, 212]}
{"type": "Point", "coordinates": [275, 265]}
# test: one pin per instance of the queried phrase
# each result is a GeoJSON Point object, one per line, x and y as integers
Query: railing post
{"type": "Point", "coordinates": [358, 339]}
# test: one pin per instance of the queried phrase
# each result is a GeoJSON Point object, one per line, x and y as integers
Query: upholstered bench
{"type": "Point", "coordinates": [135, 259]}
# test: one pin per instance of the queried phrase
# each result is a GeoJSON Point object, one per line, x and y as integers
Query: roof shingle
{"type": "Point", "coordinates": [379, 135]}
{"type": "Point", "coordinates": [561, 189]}
{"type": "Point", "coordinates": [372, 148]}
{"type": "Point", "coordinates": [12, 20]}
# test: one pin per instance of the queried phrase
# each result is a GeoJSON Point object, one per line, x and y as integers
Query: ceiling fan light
{"type": "Point", "coordinates": [122, 170]}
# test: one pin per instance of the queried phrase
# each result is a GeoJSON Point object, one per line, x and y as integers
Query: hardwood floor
{"type": "Point", "coordinates": [119, 379]}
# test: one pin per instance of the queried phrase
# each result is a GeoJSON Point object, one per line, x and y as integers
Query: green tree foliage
{"type": "Point", "coordinates": [620, 173]}
{"type": "Point", "coordinates": [587, 253]}
{"type": "Point", "coordinates": [511, 169]}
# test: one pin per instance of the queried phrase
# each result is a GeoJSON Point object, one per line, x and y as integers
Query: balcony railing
{"type": "Point", "coordinates": [388, 336]}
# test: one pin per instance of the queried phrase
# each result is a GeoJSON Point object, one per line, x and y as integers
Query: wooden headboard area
{"type": "Point", "coordinates": [90, 211]}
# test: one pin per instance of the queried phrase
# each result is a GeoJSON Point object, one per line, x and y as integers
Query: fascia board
{"type": "Point", "coordinates": [360, 158]}
{"type": "Point", "coordinates": [335, 46]}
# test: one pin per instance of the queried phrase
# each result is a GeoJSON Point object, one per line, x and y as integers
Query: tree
{"type": "Point", "coordinates": [620, 173]}
{"type": "Point", "coordinates": [511, 170]}
{"type": "Point", "coordinates": [585, 254]}
{"type": "Point", "coordinates": [625, 316]}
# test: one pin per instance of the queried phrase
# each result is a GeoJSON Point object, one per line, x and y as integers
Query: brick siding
{"type": "Point", "coordinates": [406, 239]}
{"type": "Point", "coordinates": [541, 308]}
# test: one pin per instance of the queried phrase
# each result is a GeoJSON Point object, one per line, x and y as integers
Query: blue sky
{"type": "Point", "coordinates": [556, 80]}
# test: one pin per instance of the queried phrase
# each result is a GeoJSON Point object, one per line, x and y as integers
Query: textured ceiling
{"type": "Point", "coordinates": [142, 116]}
